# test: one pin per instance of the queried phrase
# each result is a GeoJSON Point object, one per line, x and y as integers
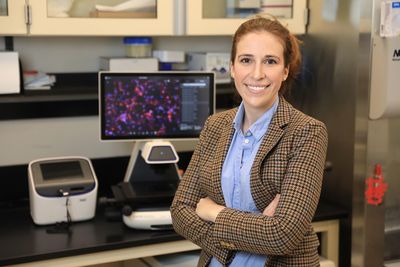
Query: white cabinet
{"type": "Point", "coordinates": [142, 17]}
{"type": "Point", "coordinates": [12, 17]}
{"type": "Point", "coordinates": [81, 18]}
{"type": "Point", "coordinates": [223, 17]}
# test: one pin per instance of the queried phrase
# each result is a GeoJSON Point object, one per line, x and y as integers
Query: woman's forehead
{"type": "Point", "coordinates": [260, 41]}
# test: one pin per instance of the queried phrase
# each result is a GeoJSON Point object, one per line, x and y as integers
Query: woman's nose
{"type": "Point", "coordinates": [258, 71]}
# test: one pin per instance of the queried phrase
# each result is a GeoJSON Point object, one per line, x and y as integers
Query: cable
{"type": "Point", "coordinates": [62, 227]}
{"type": "Point", "coordinates": [69, 220]}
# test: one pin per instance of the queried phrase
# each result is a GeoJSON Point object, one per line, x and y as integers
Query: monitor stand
{"type": "Point", "coordinates": [149, 185]}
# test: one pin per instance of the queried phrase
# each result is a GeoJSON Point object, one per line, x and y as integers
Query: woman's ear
{"type": "Point", "coordinates": [232, 70]}
{"type": "Point", "coordinates": [286, 73]}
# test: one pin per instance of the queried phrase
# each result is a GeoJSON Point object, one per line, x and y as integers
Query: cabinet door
{"type": "Point", "coordinates": [12, 17]}
{"type": "Point", "coordinates": [223, 17]}
{"type": "Point", "coordinates": [102, 17]}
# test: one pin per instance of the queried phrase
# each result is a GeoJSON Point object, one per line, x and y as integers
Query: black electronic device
{"type": "Point", "coordinates": [154, 105]}
{"type": "Point", "coordinates": [151, 109]}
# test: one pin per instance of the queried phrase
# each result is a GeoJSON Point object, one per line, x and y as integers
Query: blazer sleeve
{"type": "Point", "coordinates": [282, 233]}
{"type": "Point", "coordinates": [184, 218]}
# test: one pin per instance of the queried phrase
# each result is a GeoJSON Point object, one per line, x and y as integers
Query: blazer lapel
{"type": "Point", "coordinates": [220, 155]}
{"type": "Point", "coordinates": [274, 134]}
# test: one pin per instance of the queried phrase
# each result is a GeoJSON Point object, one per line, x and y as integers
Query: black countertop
{"type": "Point", "coordinates": [22, 241]}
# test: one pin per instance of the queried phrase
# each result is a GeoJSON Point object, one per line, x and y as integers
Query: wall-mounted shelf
{"type": "Point", "coordinates": [75, 94]}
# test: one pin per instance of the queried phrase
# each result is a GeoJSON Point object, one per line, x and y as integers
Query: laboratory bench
{"type": "Point", "coordinates": [102, 240]}
{"type": "Point", "coordinates": [105, 239]}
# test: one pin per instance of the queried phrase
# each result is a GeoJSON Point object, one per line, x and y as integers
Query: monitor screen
{"type": "Point", "coordinates": [61, 170]}
{"type": "Point", "coordinates": [154, 105]}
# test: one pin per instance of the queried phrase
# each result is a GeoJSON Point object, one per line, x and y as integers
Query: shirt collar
{"type": "Point", "coordinates": [259, 128]}
{"type": "Point", "coordinates": [238, 121]}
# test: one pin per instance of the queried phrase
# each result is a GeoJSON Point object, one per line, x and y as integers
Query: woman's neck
{"type": "Point", "coordinates": [251, 115]}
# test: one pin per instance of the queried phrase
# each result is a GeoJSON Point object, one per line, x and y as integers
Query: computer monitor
{"type": "Point", "coordinates": [151, 108]}
{"type": "Point", "coordinates": [154, 105]}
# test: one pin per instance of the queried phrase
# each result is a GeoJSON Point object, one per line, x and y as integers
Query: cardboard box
{"type": "Point", "coordinates": [217, 62]}
{"type": "Point", "coordinates": [128, 64]}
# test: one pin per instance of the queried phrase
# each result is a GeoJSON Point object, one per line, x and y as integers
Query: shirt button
{"type": "Point", "coordinates": [248, 134]}
{"type": "Point", "coordinates": [246, 141]}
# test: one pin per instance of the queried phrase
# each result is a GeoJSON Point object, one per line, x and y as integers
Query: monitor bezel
{"type": "Point", "coordinates": [101, 76]}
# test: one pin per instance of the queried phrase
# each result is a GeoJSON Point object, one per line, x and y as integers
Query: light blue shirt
{"type": "Point", "coordinates": [235, 179]}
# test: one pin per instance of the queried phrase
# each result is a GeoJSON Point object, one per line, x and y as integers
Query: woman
{"type": "Point", "coordinates": [251, 189]}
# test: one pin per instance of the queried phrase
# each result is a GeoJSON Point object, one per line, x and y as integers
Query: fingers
{"type": "Point", "coordinates": [270, 209]}
{"type": "Point", "coordinates": [207, 209]}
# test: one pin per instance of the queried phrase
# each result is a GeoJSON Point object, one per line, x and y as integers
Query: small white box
{"type": "Point", "coordinates": [129, 64]}
{"type": "Point", "coordinates": [169, 56]}
{"type": "Point", "coordinates": [9, 69]}
{"type": "Point", "coordinates": [217, 62]}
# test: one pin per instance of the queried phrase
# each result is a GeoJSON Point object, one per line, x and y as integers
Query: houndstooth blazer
{"type": "Point", "coordinates": [290, 161]}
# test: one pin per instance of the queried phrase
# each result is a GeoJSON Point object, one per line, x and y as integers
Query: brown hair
{"type": "Point", "coordinates": [291, 45]}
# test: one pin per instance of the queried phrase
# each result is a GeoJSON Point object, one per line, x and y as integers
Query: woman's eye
{"type": "Point", "coordinates": [245, 60]}
{"type": "Point", "coordinates": [270, 61]}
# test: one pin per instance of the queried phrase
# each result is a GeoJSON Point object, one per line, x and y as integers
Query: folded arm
{"type": "Point", "coordinates": [282, 233]}
{"type": "Point", "coordinates": [183, 209]}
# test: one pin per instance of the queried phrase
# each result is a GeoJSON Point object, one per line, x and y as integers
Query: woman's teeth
{"type": "Point", "coordinates": [257, 88]}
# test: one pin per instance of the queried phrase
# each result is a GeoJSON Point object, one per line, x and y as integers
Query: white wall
{"type": "Point", "coordinates": [24, 140]}
{"type": "Point", "coordinates": [81, 54]}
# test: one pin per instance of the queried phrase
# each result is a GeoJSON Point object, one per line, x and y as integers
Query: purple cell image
{"type": "Point", "coordinates": [142, 107]}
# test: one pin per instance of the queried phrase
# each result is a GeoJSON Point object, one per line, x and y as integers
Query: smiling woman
{"type": "Point", "coordinates": [253, 183]}
{"type": "Point", "coordinates": [258, 71]}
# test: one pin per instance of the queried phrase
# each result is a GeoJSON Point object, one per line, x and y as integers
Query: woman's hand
{"type": "Point", "coordinates": [207, 209]}
{"type": "Point", "coordinates": [270, 209]}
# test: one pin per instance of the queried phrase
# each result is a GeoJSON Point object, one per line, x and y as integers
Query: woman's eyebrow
{"type": "Point", "coordinates": [266, 56]}
{"type": "Point", "coordinates": [271, 56]}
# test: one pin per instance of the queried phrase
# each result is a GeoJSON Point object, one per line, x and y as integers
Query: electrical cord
{"type": "Point", "coordinates": [62, 227]}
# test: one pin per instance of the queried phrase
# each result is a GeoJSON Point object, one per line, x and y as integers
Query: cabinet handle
{"type": "Point", "coordinates": [28, 13]}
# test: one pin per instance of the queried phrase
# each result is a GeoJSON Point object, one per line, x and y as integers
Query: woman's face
{"type": "Point", "coordinates": [258, 70]}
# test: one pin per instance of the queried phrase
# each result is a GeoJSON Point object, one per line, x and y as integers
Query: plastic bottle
{"type": "Point", "coordinates": [138, 46]}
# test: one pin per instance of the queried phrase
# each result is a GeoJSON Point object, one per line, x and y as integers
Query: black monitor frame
{"type": "Point", "coordinates": [167, 74]}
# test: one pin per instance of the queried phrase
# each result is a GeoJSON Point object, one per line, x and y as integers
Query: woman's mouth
{"type": "Point", "coordinates": [257, 88]}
